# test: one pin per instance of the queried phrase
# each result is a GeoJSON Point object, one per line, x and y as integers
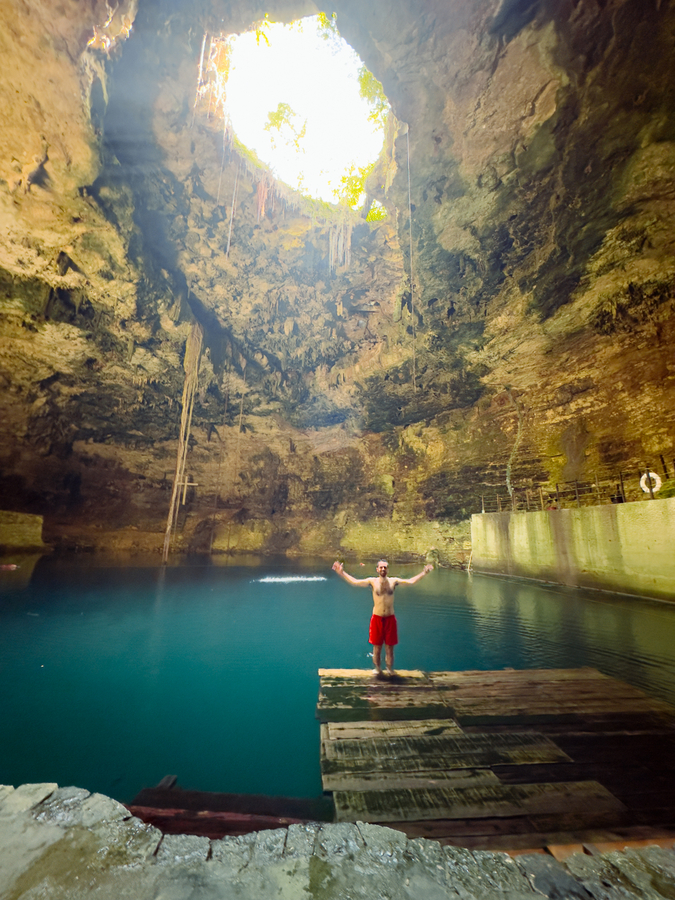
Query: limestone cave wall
{"type": "Point", "coordinates": [336, 410]}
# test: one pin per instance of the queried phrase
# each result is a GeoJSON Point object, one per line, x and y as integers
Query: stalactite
{"type": "Point", "coordinates": [193, 349]}
{"type": "Point", "coordinates": [263, 191]}
{"type": "Point", "coordinates": [339, 245]}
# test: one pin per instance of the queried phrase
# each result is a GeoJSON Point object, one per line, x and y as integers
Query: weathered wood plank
{"type": "Point", "coordinates": [375, 700]}
{"type": "Point", "coordinates": [400, 780]}
{"type": "Point", "coordinates": [383, 713]}
{"type": "Point", "coordinates": [486, 801]}
{"type": "Point", "coordinates": [462, 751]}
{"type": "Point", "coordinates": [511, 696]}
{"type": "Point", "coordinates": [516, 675]}
{"type": "Point", "coordinates": [552, 707]}
{"type": "Point", "coordinates": [359, 676]}
{"type": "Point", "coordinates": [421, 760]}
{"type": "Point", "coordinates": [534, 697]}
{"type": "Point", "coordinates": [337, 731]}
{"type": "Point", "coordinates": [398, 695]}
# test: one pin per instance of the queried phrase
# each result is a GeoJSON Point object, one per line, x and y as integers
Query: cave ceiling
{"type": "Point", "coordinates": [534, 348]}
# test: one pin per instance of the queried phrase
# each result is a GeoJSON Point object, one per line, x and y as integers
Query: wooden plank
{"type": "Point", "coordinates": [391, 696]}
{"type": "Point", "coordinates": [398, 780]}
{"type": "Point", "coordinates": [543, 692]}
{"type": "Point", "coordinates": [478, 696]}
{"type": "Point", "coordinates": [487, 706]}
{"type": "Point", "coordinates": [570, 798]}
{"type": "Point", "coordinates": [435, 752]}
{"type": "Point", "coordinates": [534, 696]}
{"type": "Point", "coordinates": [375, 700]}
{"type": "Point", "coordinates": [579, 724]}
{"type": "Point", "coordinates": [336, 731]}
{"type": "Point", "coordinates": [571, 719]}
{"type": "Point", "coordinates": [375, 713]}
{"type": "Point", "coordinates": [516, 675]}
{"type": "Point", "coordinates": [367, 674]}
{"type": "Point", "coordinates": [554, 678]}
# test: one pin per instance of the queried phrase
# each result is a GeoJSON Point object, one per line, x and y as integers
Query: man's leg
{"type": "Point", "coordinates": [389, 656]}
{"type": "Point", "coordinates": [377, 658]}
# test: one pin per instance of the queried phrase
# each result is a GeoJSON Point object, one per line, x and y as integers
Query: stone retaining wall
{"type": "Point", "coordinates": [20, 531]}
{"type": "Point", "coordinates": [627, 547]}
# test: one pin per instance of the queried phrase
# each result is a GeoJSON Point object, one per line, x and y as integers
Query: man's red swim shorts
{"type": "Point", "coordinates": [383, 630]}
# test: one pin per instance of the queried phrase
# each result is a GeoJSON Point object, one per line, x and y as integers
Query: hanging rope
{"type": "Point", "coordinates": [222, 160]}
{"type": "Point", "coordinates": [200, 82]}
{"type": "Point", "coordinates": [220, 460]}
{"type": "Point", "coordinates": [235, 477]}
{"type": "Point", "coordinates": [241, 418]}
{"type": "Point", "coordinates": [234, 200]}
{"type": "Point", "coordinates": [193, 349]}
{"type": "Point", "coordinates": [412, 291]}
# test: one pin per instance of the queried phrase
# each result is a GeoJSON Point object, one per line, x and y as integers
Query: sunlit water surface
{"type": "Point", "coordinates": [113, 676]}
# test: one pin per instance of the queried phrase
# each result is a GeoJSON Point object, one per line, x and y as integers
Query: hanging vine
{"type": "Point", "coordinates": [193, 349]}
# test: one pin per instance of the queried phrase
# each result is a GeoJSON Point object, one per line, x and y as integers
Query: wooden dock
{"type": "Point", "coordinates": [499, 759]}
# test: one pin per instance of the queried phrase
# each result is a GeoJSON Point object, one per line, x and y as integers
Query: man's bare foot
{"type": "Point", "coordinates": [377, 671]}
{"type": "Point", "coordinates": [390, 671]}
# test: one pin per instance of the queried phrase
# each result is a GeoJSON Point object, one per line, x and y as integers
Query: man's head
{"type": "Point", "coordinates": [382, 567]}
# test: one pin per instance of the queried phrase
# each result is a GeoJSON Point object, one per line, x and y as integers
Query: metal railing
{"type": "Point", "coordinates": [645, 484]}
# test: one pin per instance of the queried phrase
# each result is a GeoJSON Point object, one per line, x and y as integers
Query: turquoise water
{"type": "Point", "coordinates": [113, 676]}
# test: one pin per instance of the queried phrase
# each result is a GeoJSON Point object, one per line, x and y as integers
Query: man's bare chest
{"type": "Point", "coordinates": [383, 588]}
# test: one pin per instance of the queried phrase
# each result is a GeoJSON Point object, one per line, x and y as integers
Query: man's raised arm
{"type": "Point", "coordinates": [340, 569]}
{"type": "Point", "coordinates": [417, 577]}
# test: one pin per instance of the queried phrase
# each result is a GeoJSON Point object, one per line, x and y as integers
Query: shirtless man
{"type": "Point", "coordinates": [383, 621]}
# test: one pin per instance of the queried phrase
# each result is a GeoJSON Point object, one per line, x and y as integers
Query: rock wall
{"type": "Point", "coordinates": [336, 408]}
{"type": "Point", "coordinates": [65, 842]}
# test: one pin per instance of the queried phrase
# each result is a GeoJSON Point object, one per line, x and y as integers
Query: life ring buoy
{"type": "Point", "coordinates": [654, 478]}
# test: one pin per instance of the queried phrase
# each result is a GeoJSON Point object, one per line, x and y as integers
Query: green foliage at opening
{"type": "Point", "coordinates": [260, 30]}
{"type": "Point", "coordinates": [372, 91]}
{"type": "Point", "coordinates": [376, 213]}
{"type": "Point", "coordinates": [327, 25]}
{"type": "Point", "coordinates": [281, 119]}
{"type": "Point", "coordinates": [351, 191]}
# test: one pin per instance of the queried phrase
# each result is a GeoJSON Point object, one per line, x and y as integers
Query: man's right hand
{"type": "Point", "coordinates": [338, 567]}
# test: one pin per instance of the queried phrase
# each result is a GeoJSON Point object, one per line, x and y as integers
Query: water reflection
{"type": "Point", "coordinates": [630, 639]}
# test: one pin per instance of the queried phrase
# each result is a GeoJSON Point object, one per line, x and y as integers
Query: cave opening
{"type": "Point", "coordinates": [300, 98]}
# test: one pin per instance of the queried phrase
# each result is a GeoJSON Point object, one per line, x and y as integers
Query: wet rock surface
{"type": "Point", "coordinates": [336, 408]}
{"type": "Point", "coordinates": [64, 842]}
